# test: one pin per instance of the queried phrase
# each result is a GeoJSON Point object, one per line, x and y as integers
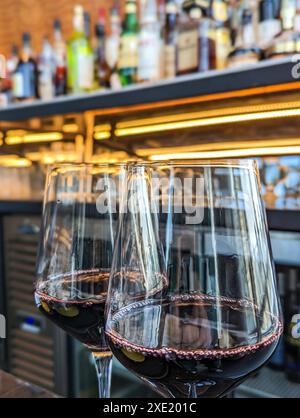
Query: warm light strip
{"type": "Point", "coordinates": [30, 138]}
{"type": "Point", "coordinates": [206, 122]}
{"type": "Point", "coordinates": [217, 146]}
{"type": "Point", "coordinates": [102, 135]}
{"type": "Point", "coordinates": [13, 161]}
{"type": "Point", "coordinates": [70, 127]}
{"type": "Point", "coordinates": [207, 114]}
{"type": "Point", "coordinates": [250, 152]}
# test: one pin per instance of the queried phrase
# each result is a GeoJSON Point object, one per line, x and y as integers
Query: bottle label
{"type": "Point", "coordinates": [170, 60]}
{"type": "Point", "coordinates": [18, 85]}
{"type": "Point", "coordinates": [112, 51]}
{"type": "Point", "coordinates": [148, 57]}
{"type": "Point", "coordinates": [128, 57]}
{"type": "Point", "coordinates": [187, 50]}
{"type": "Point", "coordinates": [267, 30]}
{"type": "Point", "coordinates": [223, 44]}
{"type": "Point", "coordinates": [220, 13]}
{"type": "Point", "coordinates": [85, 65]}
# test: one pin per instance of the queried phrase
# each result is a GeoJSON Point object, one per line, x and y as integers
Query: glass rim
{"type": "Point", "coordinates": [249, 164]}
{"type": "Point", "coordinates": [217, 162]}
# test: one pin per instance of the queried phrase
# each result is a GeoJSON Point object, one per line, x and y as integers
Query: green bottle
{"type": "Point", "coordinates": [128, 55]}
{"type": "Point", "coordinates": [79, 56]}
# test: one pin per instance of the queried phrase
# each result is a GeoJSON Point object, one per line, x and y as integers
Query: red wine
{"type": "Point", "coordinates": [178, 348]}
{"type": "Point", "coordinates": [76, 304]}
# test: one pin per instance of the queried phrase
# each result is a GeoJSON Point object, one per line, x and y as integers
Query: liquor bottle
{"type": "Point", "coordinates": [187, 40]}
{"type": "Point", "coordinates": [80, 60]}
{"type": "Point", "coordinates": [25, 78]}
{"type": "Point", "coordinates": [149, 43]}
{"type": "Point", "coordinates": [12, 62]}
{"type": "Point", "coordinates": [269, 23]}
{"type": "Point", "coordinates": [287, 41]}
{"type": "Point", "coordinates": [170, 39]}
{"type": "Point", "coordinates": [60, 55]}
{"type": "Point", "coordinates": [234, 19]}
{"type": "Point", "coordinates": [222, 32]}
{"type": "Point", "coordinates": [128, 56]}
{"type": "Point", "coordinates": [46, 67]}
{"type": "Point", "coordinates": [112, 45]}
{"type": "Point", "coordinates": [7, 82]}
{"type": "Point", "coordinates": [246, 50]}
{"type": "Point", "coordinates": [207, 42]}
{"type": "Point", "coordinates": [102, 70]}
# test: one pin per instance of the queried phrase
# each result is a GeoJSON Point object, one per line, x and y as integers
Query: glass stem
{"type": "Point", "coordinates": [103, 364]}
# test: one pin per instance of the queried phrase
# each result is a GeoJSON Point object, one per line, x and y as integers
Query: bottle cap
{"type": "Point", "coordinates": [57, 24]}
{"type": "Point", "coordinates": [26, 37]}
{"type": "Point", "coordinates": [78, 9]}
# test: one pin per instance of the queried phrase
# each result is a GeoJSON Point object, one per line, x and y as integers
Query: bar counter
{"type": "Point", "coordinates": [12, 387]}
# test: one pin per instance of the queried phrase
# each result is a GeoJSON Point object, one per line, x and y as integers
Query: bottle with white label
{"type": "Point", "coordinates": [170, 39]}
{"type": "Point", "coordinates": [149, 44]}
{"type": "Point", "coordinates": [222, 32]}
{"type": "Point", "coordinates": [112, 46]}
{"type": "Point", "coordinates": [25, 78]}
{"type": "Point", "coordinates": [187, 43]}
{"type": "Point", "coordinates": [269, 23]}
{"type": "Point", "coordinates": [287, 42]}
{"type": "Point", "coordinates": [246, 50]}
{"type": "Point", "coordinates": [46, 67]}
{"type": "Point", "coordinates": [80, 61]}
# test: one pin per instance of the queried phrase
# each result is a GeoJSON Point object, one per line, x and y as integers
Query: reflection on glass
{"type": "Point", "coordinates": [192, 306]}
{"type": "Point", "coordinates": [75, 255]}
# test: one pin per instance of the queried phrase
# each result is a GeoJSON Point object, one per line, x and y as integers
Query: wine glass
{"type": "Point", "coordinates": [192, 307]}
{"type": "Point", "coordinates": [75, 255]}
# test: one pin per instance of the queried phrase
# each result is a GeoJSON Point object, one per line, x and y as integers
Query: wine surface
{"type": "Point", "coordinates": [193, 345]}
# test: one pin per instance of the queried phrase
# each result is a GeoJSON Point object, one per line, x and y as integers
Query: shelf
{"type": "Point", "coordinates": [264, 74]}
{"type": "Point", "coordinates": [284, 220]}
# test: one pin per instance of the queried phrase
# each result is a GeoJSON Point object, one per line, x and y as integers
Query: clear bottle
{"type": "Point", "coordinates": [80, 60]}
{"type": "Point", "coordinates": [286, 43]}
{"type": "Point", "coordinates": [60, 56]}
{"type": "Point", "coordinates": [112, 45]}
{"type": "Point", "coordinates": [128, 57]}
{"type": "Point", "coordinates": [187, 59]}
{"type": "Point", "coordinates": [7, 82]}
{"type": "Point", "coordinates": [246, 50]}
{"type": "Point", "coordinates": [149, 44]}
{"type": "Point", "coordinates": [207, 41]}
{"type": "Point", "coordinates": [102, 70]}
{"type": "Point", "coordinates": [25, 78]}
{"type": "Point", "coordinates": [269, 23]}
{"type": "Point", "coordinates": [222, 32]}
{"type": "Point", "coordinates": [46, 67]}
{"type": "Point", "coordinates": [170, 39]}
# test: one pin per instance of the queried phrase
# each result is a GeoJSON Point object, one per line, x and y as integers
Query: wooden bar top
{"type": "Point", "coordinates": [13, 387]}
